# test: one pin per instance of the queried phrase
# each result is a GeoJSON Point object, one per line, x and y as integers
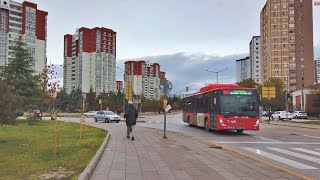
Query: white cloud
{"type": "Point", "coordinates": [185, 69]}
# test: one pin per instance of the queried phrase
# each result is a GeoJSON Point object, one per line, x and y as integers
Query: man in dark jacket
{"type": "Point", "coordinates": [131, 115]}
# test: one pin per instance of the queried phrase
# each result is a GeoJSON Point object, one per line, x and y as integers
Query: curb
{"type": "Point", "coordinates": [292, 125]}
{"type": "Point", "coordinates": [215, 145]}
{"type": "Point", "coordinates": [87, 172]}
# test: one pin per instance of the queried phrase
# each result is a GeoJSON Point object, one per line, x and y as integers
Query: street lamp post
{"type": "Point", "coordinates": [217, 73]}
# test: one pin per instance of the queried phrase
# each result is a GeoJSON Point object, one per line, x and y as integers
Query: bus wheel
{"type": "Point", "coordinates": [206, 127]}
{"type": "Point", "coordinates": [239, 131]}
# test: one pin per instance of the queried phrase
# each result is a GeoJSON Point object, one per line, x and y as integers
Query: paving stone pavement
{"type": "Point", "coordinates": [150, 157]}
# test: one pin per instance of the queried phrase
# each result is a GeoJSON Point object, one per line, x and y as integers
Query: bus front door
{"type": "Point", "coordinates": [213, 118]}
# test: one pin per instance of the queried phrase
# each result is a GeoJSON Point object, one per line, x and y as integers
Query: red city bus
{"type": "Point", "coordinates": [223, 107]}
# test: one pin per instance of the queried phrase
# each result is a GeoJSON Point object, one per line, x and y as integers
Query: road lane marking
{"type": "Point", "coordinates": [263, 142]}
{"type": "Point", "coordinates": [298, 155]}
{"type": "Point", "coordinates": [279, 158]}
{"type": "Point", "coordinates": [256, 158]}
{"type": "Point", "coordinates": [306, 135]}
{"type": "Point", "coordinates": [307, 151]}
{"type": "Point", "coordinates": [266, 139]}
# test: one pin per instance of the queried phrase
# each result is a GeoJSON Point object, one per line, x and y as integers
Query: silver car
{"type": "Point", "coordinates": [280, 115]}
{"type": "Point", "coordinates": [90, 113]}
{"type": "Point", "coordinates": [106, 116]}
{"type": "Point", "coordinates": [300, 115]}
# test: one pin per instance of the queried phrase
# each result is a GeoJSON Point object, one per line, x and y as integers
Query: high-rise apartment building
{"type": "Point", "coordinates": [286, 30]}
{"type": "Point", "coordinates": [90, 60]}
{"type": "Point", "coordinates": [119, 86]}
{"type": "Point", "coordinates": [255, 59]}
{"type": "Point", "coordinates": [23, 20]}
{"type": "Point", "coordinates": [317, 70]}
{"type": "Point", "coordinates": [243, 69]}
{"type": "Point", "coordinates": [144, 77]}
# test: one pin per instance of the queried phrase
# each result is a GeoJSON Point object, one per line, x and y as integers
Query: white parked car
{"type": "Point", "coordinates": [90, 113]}
{"type": "Point", "coordinates": [281, 115]}
{"type": "Point", "coordinates": [106, 116]}
{"type": "Point", "coordinates": [300, 115]}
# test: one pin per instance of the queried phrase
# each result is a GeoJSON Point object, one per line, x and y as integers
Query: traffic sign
{"type": "Point", "coordinates": [167, 108]}
{"type": "Point", "coordinates": [268, 92]}
{"type": "Point", "coordinates": [165, 86]}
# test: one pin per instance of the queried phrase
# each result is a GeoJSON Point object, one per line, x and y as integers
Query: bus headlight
{"type": "Point", "coordinates": [221, 122]}
{"type": "Point", "coordinates": [257, 123]}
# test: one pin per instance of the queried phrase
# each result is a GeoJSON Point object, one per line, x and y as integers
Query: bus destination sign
{"type": "Point", "coordinates": [237, 92]}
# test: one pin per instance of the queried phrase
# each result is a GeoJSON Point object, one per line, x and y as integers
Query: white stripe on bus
{"type": "Point", "coordinates": [298, 155]}
{"type": "Point", "coordinates": [279, 158]}
{"type": "Point", "coordinates": [307, 151]}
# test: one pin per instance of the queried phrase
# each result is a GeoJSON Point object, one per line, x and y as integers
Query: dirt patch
{"type": "Point", "coordinates": [62, 173]}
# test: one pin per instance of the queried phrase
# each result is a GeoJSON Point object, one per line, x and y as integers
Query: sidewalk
{"type": "Point", "coordinates": [292, 124]}
{"type": "Point", "coordinates": [178, 157]}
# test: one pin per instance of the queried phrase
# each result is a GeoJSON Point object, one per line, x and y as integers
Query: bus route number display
{"type": "Point", "coordinates": [237, 92]}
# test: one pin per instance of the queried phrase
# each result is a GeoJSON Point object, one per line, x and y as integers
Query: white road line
{"type": "Point", "coordinates": [266, 139]}
{"type": "Point", "coordinates": [307, 135]}
{"type": "Point", "coordinates": [279, 158]}
{"type": "Point", "coordinates": [307, 151]}
{"type": "Point", "coordinates": [263, 142]}
{"type": "Point", "coordinates": [298, 155]}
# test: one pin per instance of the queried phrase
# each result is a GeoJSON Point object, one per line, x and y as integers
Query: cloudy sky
{"type": "Point", "coordinates": [184, 36]}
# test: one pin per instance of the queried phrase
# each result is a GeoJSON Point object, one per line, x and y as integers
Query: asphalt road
{"type": "Point", "coordinates": [297, 149]}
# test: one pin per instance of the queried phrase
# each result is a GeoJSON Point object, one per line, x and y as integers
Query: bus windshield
{"type": "Point", "coordinates": [238, 105]}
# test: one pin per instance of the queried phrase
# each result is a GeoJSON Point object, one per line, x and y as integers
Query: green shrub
{"type": "Point", "coordinates": [33, 120]}
{"type": "Point", "coordinates": [19, 112]}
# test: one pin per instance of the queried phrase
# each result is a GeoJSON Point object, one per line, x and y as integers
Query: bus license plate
{"type": "Point", "coordinates": [233, 121]}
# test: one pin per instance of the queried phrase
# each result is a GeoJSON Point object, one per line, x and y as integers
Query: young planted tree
{"type": "Point", "coordinates": [49, 85]}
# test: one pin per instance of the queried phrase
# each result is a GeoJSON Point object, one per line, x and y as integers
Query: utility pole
{"type": "Point", "coordinates": [217, 73]}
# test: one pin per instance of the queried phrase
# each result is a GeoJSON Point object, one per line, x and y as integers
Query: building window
{"type": "Point", "coordinates": [291, 25]}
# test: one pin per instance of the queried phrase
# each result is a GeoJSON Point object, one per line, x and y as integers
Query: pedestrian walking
{"type": "Point", "coordinates": [131, 115]}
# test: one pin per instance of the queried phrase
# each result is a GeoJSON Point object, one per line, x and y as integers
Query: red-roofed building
{"type": "Point", "coordinates": [145, 78]}
{"type": "Point", "coordinates": [90, 60]}
{"type": "Point", "coordinates": [27, 21]}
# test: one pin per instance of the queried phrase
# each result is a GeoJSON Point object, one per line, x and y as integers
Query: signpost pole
{"type": "Point", "coordinates": [165, 87]}
{"type": "Point", "coordinates": [165, 124]}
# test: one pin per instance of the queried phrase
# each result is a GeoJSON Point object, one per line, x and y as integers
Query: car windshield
{"type": "Point", "coordinates": [239, 105]}
{"type": "Point", "coordinates": [110, 113]}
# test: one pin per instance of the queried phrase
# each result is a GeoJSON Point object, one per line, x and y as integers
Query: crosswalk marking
{"type": "Point", "coordinates": [307, 151]}
{"type": "Point", "coordinates": [279, 158]}
{"type": "Point", "coordinates": [302, 156]}
{"type": "Point", "coordinates": [307, 135]}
